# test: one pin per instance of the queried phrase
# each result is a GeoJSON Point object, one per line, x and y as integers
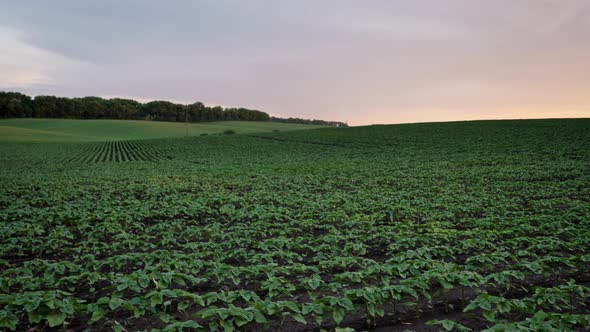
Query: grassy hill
{"type": "Point", "coordinates": [63, 130]}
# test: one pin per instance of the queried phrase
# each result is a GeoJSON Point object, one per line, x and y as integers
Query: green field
{"type": "Point", "coordinates": [438, 226]}
{"type": "Point", "coordinates": [60, 130]}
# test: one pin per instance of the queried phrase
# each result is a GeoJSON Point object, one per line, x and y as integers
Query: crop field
{"type": "Point", "coordinates": [420, 227]}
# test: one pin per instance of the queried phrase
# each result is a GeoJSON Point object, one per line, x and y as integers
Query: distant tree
{"type": "Point", "coordinates": [163, 111]}
{"type": "Point", "coordinates": [16, 105]}
{"type": "Point", "coordinates": [216, 113]}
{"type": "Point", "coordinates": [124, 109]}
{"type": "Point", "coordinates": [94, 108]}
{"type": "Point", "coordinates": [196, 112]}
{"type": "Point", "coordinates": [308, 121]}
{"type": "Point", "coordinates": [46, 106]}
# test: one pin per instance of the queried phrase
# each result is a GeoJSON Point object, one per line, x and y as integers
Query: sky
{"type": "Point", "coordinates": [362, 62]}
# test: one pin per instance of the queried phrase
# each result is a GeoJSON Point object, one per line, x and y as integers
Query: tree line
{"type": "Point", "coordinates": [309, 121]}
{"type": "Point", "coordinates": [18, 105]}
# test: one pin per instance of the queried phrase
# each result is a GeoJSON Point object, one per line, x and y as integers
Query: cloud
{"type": "Point", "coordinates": [25, 66]}
{"type": "Point", "coordinates": [379, 61]}
{"type": "Point", "coordinates": [22, 64]}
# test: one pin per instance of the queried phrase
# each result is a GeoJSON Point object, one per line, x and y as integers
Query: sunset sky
{"type": "Point", "coordinates": [358, 61]}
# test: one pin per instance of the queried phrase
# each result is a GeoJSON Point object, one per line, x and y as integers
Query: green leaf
{"type": "Point", "coordinates": [164, 317]}
{"type": "Point", "coordinates": [96, 315]}
{"type": "Point", "coordinates": [446, 285]}
{"type": "Point", "coordinates": [347, 303]}
{"type": "Point", "coordinates": [540, 316]}
{"type": "Point", "coordinates": [207, 313]}
{"type": "Point", "coordinates": [259, 317]}
{"type": "Point", "coordinates": [35, 317]}
{"type": "Point", "coordinates": [490, 315]}
{"type": "Point", "coordinates": [182, 306]}
{"type": "Point", "coordinates": [318, 319]}
{"type": "Point", "coordinates": [292, 306]}
{"type": "Point", "coordinates": [503, 307]}
{"type": "Point", "coordinates": [32, 305]}
{"type": "Point", "coordinates": [246, 296]}
{"type": "Point", "coordinates": [50, 303]}
{"type": "Point", "coordinates": [314, 283]}
{"type": "Point", "coordinates": [485, 304]}
{"type": "Point", "coordinates": [56, 318]}
{"type": "Point", "coordinates": [228, 326]}
{"type": "Point", "coordinates": [298, 317]}
{"type": "Point", "coordinates": [380, 312]}
{"type": "Point", "coordinates": [338, 315]}
{"type": "Point", "coordinates": [448, 324]}
{"type": "Point", "coordinates": [241, 321]}
{"type": "Point", "coordinates": [8, 320]}
{"type": "Point", "coordinates": [471, 306]}
{"type": "Point", "coordinates": [143, 281]}
{"type": "Point", "coordinates": [191, 324]}
{"type": "Point", "coordinates": [199, 300]}
{"type": "Point", "coordinates": [114, 303]}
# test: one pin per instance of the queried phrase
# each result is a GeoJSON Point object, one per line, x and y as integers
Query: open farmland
{"type": "Point", "coordinates": [75, 131]}
{"type": "Point", "coordinates": [440, 226]}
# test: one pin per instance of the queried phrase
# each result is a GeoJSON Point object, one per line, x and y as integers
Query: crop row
{"type": "Point", "coordinates": [118, 151]}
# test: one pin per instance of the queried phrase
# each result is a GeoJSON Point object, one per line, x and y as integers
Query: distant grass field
{"type": "Point", "coordinates": [63, 130]}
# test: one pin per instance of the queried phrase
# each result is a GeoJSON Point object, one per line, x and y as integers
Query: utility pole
{"type": "Point", "coordinates": [186, 120]}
